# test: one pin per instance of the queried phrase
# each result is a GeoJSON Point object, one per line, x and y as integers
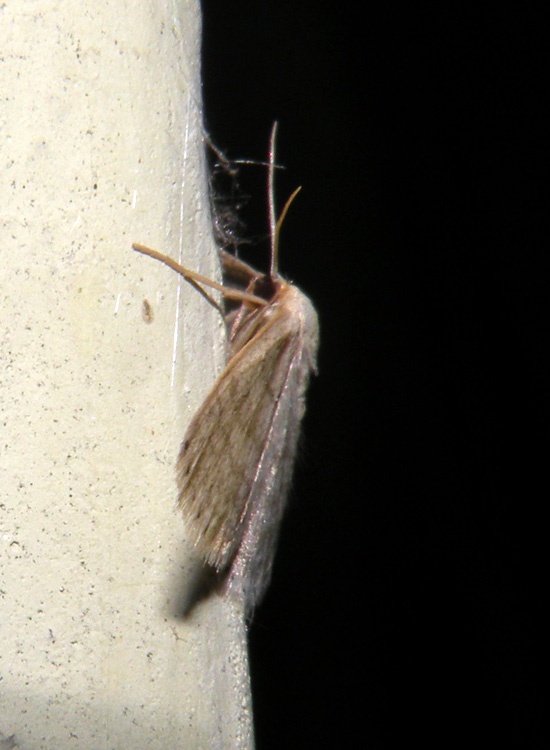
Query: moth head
{"type": "Point", "coordinates": [265, 287]}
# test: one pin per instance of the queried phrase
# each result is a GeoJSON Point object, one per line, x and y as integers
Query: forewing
{"type": "Point", "coordinates": [250, 569]}
{"type": "Point", "coordinates": [221, 452]}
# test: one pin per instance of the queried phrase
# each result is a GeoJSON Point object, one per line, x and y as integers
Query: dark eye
{"type": "Point", "coordinates": [265, 288]}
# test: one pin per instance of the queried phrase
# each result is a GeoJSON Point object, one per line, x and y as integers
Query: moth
{"type": "Point", "coordinates": [236, 459]}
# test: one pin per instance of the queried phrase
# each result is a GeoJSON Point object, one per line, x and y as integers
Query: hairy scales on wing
{"type": "Point", "coordinates": [227, 438]}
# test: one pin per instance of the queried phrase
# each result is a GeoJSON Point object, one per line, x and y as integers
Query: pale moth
{"type": "Point", "coordinates": [235, 462]}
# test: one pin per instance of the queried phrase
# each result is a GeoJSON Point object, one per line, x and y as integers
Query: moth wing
{"type": "Point", "coordinates": [250, 571]}
{"type": "Point", "coordinates": [222, 450]}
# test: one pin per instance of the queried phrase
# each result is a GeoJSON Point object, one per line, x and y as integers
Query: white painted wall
{"type": "Point", "coordinates": [101, 146]}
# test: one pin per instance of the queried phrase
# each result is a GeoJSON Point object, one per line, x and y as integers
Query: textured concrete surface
{"type": "Point", "coordinates": [105, 354]}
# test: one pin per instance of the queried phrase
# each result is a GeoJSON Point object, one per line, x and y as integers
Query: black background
{"type": "Point", "coordinates": [404, 600]}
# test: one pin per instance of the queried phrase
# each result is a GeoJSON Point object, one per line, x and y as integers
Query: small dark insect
{"type": "Point", "coordinates": [147, 311]}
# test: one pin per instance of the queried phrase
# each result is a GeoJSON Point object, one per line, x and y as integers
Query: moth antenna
{"type": "Point", "coordinates": [271, 202]}
{"type": "Point", "coordinates": [275, 224]}
{"type": "Point", "coordinates": [280, 222]}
